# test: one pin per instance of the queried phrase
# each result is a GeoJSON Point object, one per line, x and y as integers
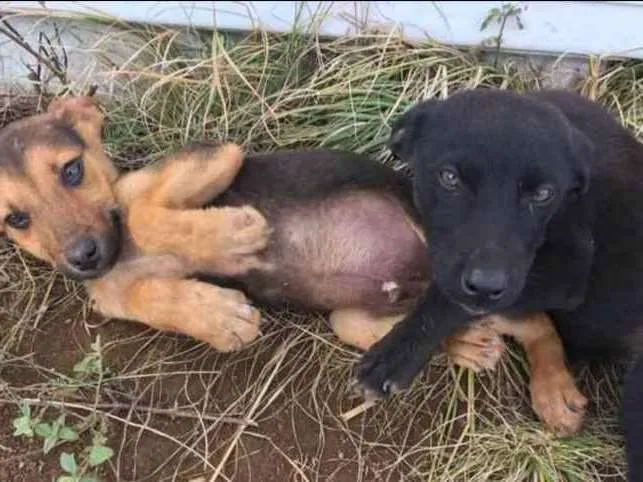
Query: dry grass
{"type": "Point", "coordinates": [176, 409]}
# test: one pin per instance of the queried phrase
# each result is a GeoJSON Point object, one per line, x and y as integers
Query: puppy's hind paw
{"type": "Point", "coordinates": [477, 348]}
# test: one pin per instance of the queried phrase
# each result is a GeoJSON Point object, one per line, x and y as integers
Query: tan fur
{"type": "Point", "coordinates": [360, 329]}
{"type": "Point", "coordinates": [554, 395]}
{"type": "Point", "coordinates": [58, 213]}
{"type": "Point", "coordinates": [165, 216]}
{"type": "Point", "coordinates": [147, 284]}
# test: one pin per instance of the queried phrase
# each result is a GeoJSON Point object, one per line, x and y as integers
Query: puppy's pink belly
{"type": "Point", "coordinates": [356, 249]}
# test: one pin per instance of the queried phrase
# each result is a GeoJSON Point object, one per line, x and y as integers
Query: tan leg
{"type": "Point", "coordinates": [554, 395]}
{"type": "Point", "coordinates": [164, 214]}
{"type": "Point", "coordinates": [226, 241]}
{"type": "Point", "coordinates": [359, 328]}
{"type": "Point", "coordinates": [221, 317]}
{"type": "Point", "coordinates": [195, 175]}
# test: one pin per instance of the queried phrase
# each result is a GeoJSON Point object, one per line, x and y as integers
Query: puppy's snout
{"type": "Point", "coordinates": [84, 255]}
{"type": "Point", "coordinates": [488, 282]}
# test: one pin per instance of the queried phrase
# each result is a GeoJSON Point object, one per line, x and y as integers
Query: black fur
{"type": "Point", "coordinates": [633, 421]}
{"type": "Point", "coordinates": [284, 177]}
{"type": "Point", "coordinates": [578, 257]}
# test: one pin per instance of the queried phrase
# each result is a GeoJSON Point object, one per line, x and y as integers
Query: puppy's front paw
{"type": "Point", "coordinates": [558, 402]}
{"type": "Point", "coordinates": [224, 318]}
{"type": "Point", "coordinates": [242, 234]}
{"type": "Point", "coordinates": [477, 348]}
{"type": "Point", "coordinates": [388, 367]}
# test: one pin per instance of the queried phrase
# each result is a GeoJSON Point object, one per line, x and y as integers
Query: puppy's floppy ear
{"type": "Point", "coordinates": [583, 151]}
{"type": "Point", "coordinates": [82, 113]}
{"type": "Point", "coordinates": [404, 130]}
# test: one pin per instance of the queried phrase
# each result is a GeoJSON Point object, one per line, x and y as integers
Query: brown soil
{"type": "Point", "coordinates": [287, 432]}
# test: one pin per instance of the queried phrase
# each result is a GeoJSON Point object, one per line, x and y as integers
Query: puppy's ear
{"type": "Point", "coordinates": [82, 113]}
{"type": "Point", "coordinates": [583, 152]}
{"type": "Point", "coordinates": [405, 129]}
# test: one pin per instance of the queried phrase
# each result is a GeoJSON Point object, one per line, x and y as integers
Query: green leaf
{"type": "Point", "coordinates": [25, 410]}
{"type": "Point", "coordinates": [485, 23]}
{"type": "Point", "coordinates": [81, 366]}
{"type": "Point", "coordinates": [86, 365]}
{"type": "Point", "coordinates": [67, 478]}
{"type": "Point", "coordinates": [44, 430]}
{"type": "Point", "coordinates": [68, 434]}
{"type": "Point", "coordinates": [22, 426]}
{"type": "Point", "coordinates": [50, 443]}
{"type": "Point", "coordinates": [68, 463]}
{"type": "Point", "coordinates": [95, 346]}
{"type": "Point", "coordinates": [99, 454]}
{"type": "Point", "coordinates": [89, 479]}
{"type": "Point", "coordinates": [494, 13]}
{"type": "Point", "coordinates": [60, 421]}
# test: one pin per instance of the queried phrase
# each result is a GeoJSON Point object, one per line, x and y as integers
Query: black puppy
{"type": "Point", "coordinates": [529, 202]}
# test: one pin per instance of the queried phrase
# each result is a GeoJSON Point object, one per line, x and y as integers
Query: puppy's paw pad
{"type": "Point", "coordinates": [559, 404]}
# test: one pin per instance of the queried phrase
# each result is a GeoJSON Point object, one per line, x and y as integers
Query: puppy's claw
{"type": "Point", "coordinates": [371, 396]}
{"type": "Point", "coordinates": [389, 387]}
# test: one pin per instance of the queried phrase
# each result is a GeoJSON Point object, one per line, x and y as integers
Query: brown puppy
{"type": "Point", "coordinates": [345, 240]}
{"type": "Point", "coordinates": [61, 199]}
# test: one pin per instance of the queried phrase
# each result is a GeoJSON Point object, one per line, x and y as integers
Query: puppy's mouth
{"type": "Point", "coordinates": [479, 306]}
{"type": "Point", "coordinates": [473, 310]}
{"type": "Point", "coordinates": [92, 257]}
{"type": "Point", "coordinates": [482, 307]}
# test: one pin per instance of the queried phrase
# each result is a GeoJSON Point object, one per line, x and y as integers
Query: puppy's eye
{"type": "Point", "coordinates": [449, 179]}
{"type": "Point", "coordinates": [17, 220]}
{"type": "Point", "coordinates": [543, 194]}
{"type": "Point", "coordinates": [71, 174]}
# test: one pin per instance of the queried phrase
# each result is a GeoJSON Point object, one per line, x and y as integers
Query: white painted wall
{"type": "Point", "coordinates": [579, 27]}
{"type": "Point", "coordinates": [559, 28]}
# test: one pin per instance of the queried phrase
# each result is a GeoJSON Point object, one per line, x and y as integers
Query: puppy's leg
{"type": "Point", "coordinates": [221, 317]}
{"type": "Point", "coordinates": [359, 328]}
{"type": "Point", "coordinates": [195, 175]}
{"type": "Point", "coordinates": [477, 347]}
{"type": "Point", "coordinates": [166, 215]}
{"type": "Point", "coordinates": [225, 241]}
{"type": "Point", "coordinates": [554, 395]}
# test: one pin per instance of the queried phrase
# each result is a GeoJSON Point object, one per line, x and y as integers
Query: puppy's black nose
{"type": "Point", "coordinates": [489, 282]}
{"type": "Point", "coordinates": [84, 255]}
